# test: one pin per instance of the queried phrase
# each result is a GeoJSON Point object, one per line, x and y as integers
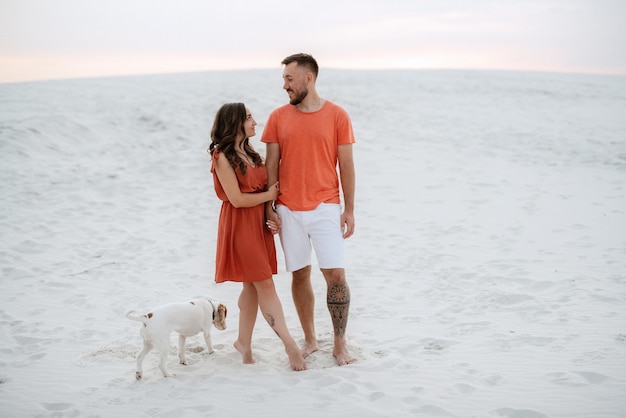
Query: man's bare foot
{"type": "Point", "coordinates": [343, 357]}
{"type": "Point", "coordinates": [296, 360]}
{"type": "Point", "coordinates": [309, 348]}
{"type": "Point", "coordinates": [246, 352]}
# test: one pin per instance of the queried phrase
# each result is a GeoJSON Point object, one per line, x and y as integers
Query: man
{"type": "Point", "coordinates": [306, 140]}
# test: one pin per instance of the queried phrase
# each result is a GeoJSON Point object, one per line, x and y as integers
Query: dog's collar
{"type": "Point", "coordinates": [212, 306]}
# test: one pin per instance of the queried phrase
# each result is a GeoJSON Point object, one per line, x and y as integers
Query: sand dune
{"type": "Point", "coordinates": [487, 271]}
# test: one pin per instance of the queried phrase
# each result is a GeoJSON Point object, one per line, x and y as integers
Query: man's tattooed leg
{"type": "Point", "coordinates": [338, 301]}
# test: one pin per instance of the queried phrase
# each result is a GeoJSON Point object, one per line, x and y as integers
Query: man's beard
{"type": "Point", "coordinates": [299, 98]}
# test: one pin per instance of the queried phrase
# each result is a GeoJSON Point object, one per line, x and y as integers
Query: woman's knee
{"type": "Point", "coordinates": [248, 295]}
{"type": "Point", "coordinates": [265, 286]}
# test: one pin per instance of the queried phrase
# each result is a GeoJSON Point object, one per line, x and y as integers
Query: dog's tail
{"type": "Point", "coordinates": [134, 317]}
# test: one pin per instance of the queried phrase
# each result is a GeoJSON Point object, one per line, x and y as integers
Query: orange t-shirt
{"type": "Point", "coordinates": [308, 153]}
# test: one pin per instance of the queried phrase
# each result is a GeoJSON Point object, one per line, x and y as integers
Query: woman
{"type": "Point", "coordinates": [245, 244]}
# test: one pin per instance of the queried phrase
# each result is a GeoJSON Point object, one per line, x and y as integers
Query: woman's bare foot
{"type": "Point", "coordinates": [296, 360]}
{"type": "Point", "coordinates": [246, 352]}
{"type": "Point", "coordinates": [309, 348]}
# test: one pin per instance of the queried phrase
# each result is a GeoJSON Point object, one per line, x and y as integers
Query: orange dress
{"type": "Point", "coordinates": [245, 247]}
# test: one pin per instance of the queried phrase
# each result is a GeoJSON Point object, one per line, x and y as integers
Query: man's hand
{"type": "Point", "coordinates": [347, 224]}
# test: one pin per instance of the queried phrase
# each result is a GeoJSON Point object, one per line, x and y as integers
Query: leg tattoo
{"type": "Point", "coordinates": [338, 301]}
{"type": "Point", "coordinates": [271, 321]}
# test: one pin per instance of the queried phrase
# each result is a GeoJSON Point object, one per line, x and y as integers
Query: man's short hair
{"type": "Point", "coordinates": [304, 60]}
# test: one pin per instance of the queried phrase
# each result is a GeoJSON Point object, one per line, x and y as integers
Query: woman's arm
{"type": "Point", "coordinates": [228, 179]}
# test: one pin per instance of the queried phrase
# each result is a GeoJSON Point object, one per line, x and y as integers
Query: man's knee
{"type": "Point", "coordinates": [301, 275]}
{"type": "Point", "coordinates": [334, 276]}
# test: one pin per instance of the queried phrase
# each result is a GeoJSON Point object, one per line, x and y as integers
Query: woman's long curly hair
{"type": "Point", "coordinates": [229, 122]}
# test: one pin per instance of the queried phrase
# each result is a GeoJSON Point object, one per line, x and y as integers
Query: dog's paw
{"type": "Point", "coordinates": [184, 362]}
{"type": "Point", "coordinates": [211, 351]}
{"type": "Point", "coordinates": [138, 375]}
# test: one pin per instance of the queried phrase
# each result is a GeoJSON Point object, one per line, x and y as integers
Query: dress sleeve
{"type": "Point", "coordinates": [214, 157]}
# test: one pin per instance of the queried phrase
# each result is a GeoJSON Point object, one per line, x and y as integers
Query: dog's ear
{"type": "Point", "coordinates": [223, 307]}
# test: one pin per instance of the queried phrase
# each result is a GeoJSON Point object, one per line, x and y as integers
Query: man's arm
{"type": "Point", "coordinates": [272, 158]}
{"type": "Point", "coordinates": [348, 186]}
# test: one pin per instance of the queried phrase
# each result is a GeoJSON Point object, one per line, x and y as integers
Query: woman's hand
{"type": "Point", "coordinates": [272, 226]}
{"type": "Point", "coordinates": [274, 191]}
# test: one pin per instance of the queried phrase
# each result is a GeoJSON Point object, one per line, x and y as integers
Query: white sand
{"type": "Point", "coordinates": [488, 271]}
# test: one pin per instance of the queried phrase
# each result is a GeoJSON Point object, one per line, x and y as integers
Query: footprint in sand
{"type": "Point", "coordinates": [576, 378]}
{"type": "Point", "coordinates": [463, 388]}
{"type": "Point", "coordinates": [432, 411]}
{"type": "Point", "coordinates": [476, 375]}
{"type": "Point", "coordinates": [493, 380]}
{"type": "Point", "coordinates": [436, 345]}
{"type": "Point", "coordinates": [376, 396]}
{"type": "Point", "coordinates": [56, 407]}
{"type": "Point", "coordinates": [517, 413]}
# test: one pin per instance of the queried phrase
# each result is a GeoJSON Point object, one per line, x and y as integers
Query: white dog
{"type": "Point", "coordinates": [186, 318]}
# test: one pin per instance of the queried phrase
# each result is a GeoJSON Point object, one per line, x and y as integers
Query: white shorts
{"type": "Point", "coordinates": [318, 229]}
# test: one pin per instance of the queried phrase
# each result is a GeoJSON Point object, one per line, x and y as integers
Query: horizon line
{"type": "Point", "coordinates": [615, 73]}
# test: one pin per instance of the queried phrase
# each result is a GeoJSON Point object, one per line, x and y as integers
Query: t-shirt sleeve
{"type": "Point", "coordinates": [345, 134]}
{"type": "Point", "coordinates": [270, 131]}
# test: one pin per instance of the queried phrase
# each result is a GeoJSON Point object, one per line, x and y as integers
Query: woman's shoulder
{"type": "Point", "coordinates": [219, 162]}
{"type": "Point", "coordinates": [216, 156]}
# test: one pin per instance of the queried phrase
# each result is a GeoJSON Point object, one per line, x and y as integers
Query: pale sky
{"type": "Point", "coordinates": [52, 39]}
